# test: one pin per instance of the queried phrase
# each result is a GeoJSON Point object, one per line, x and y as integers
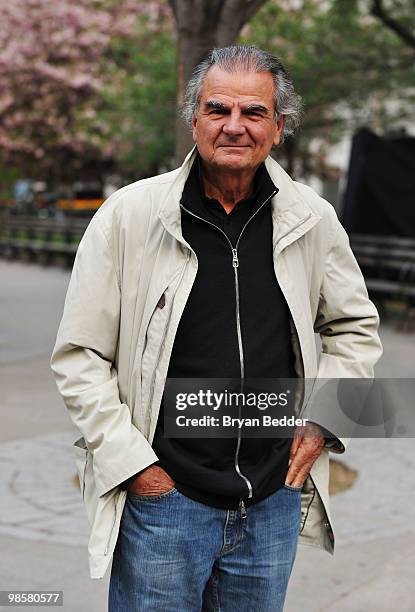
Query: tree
{"type": "Point", "coordinates": [139, 100]}
{"type": "Point", "coordinates": [51, 56]}
{"type": "Point", "coordinates": [201, 26]}
{"type": "Point", "coordinates": [397, 17]}
{"type": "Point", "coordinates": [344, 64]}
{"type": "Point", "coordinates": [93, 84]}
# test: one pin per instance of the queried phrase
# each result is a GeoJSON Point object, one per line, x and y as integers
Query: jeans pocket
{"type": "Point", "coordinates": [296, 489]}
{"type": "Point", "coordinates": [135, 497]}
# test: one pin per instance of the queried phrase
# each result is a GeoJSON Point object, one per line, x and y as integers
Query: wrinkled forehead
{"type": "Point", "coordinates": [238, 86]}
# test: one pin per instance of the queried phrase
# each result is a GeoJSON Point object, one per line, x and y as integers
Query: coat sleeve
{"type": "Point", "coordinates": [347, 322]}
{"type": "Point", "coordinates": [83, 364]}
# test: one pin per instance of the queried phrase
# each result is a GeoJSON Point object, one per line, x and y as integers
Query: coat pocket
{"type": "Point", "coordinates": [157, 329]}
{"type": "Point", "coordinates": [81, 461]}
{"type": "Point", "coordinates": [84, 466]}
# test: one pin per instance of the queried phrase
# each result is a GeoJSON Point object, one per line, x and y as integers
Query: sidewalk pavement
{"type": "Point", "coordinates": [43, 527]}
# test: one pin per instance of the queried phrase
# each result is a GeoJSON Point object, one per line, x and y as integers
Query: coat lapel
{"type": "Point", "coordinates": [292, 216]}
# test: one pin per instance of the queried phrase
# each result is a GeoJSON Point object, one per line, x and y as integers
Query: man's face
{"type": "Point", "coordinates": [235, 127]}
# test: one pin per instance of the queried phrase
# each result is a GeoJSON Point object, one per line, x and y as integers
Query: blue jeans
{"type": "Point", "coordinates": [174, 554]}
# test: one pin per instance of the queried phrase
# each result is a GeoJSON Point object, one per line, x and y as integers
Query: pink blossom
{"type": "Point", "coordinates": [51, 70]}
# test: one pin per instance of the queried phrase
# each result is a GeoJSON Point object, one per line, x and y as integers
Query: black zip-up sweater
{"type": "Point", "coordinates": [206, 342]}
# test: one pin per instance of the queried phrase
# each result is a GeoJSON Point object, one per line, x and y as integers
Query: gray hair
{"type": "Point", "coordinates": [250, 59]}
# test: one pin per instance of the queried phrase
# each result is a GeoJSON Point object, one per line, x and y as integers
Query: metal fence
{"type": "Point", "coordinates": [387, 262]}
{"type": "Point", "coordinates": [45, 241]}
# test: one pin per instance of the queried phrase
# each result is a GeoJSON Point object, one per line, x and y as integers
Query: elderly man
{"type": "Point", "coordinates": [224, 267]}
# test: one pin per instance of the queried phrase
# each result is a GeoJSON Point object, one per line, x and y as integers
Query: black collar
{"type": "Point", "coordinates": [194, 198]}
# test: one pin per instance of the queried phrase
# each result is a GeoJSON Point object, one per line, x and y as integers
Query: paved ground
{"type": "Point", "coordinates": [43, 528]}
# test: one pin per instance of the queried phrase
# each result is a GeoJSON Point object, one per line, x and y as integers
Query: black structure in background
{"type": "Point", "coordinates": [380, 194]}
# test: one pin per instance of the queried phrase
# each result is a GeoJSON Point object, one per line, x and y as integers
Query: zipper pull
{"type": "Point", "coordinates": [235, 260]}
{"type": "Point", "coordinates": [242, 508]}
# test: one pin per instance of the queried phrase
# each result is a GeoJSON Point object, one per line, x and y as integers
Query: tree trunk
{"type": "Point", "coordinates": [191, 50]}
{"type": "Point", "coordinates": [201, 26]}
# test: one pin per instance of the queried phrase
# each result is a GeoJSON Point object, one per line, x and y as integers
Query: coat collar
{"type": "Point", "coordinates": [291, 214]}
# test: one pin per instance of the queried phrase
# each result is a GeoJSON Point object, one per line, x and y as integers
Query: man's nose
{"type": "Point", "coordinates": [233, 125]}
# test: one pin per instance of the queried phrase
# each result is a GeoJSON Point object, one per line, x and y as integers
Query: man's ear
{"type": "Point", "coordinates": [278, 129]}
{"type": "Point", "coordinates": [194, 121]}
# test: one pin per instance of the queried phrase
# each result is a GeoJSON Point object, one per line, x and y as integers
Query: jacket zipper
{"type": "Point", "coordinates": [235, 264]}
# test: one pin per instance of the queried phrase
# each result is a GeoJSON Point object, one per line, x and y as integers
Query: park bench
{"type": "Point", "coordinates": [388, 265]}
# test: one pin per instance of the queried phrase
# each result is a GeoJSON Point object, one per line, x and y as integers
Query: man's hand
{"type": "Point", "coordinates": [306, 446]}
{"type": "Point", "coordinates": [151, 481]}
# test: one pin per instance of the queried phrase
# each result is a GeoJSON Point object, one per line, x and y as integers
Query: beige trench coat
{"type": "Point", "coordinates": [113, 345]}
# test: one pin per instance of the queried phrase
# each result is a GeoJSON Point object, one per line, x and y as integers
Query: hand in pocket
{"type": "Point", "coordinates": [306, 447]}
{"type": "Point", "coordinates": [151, 481]}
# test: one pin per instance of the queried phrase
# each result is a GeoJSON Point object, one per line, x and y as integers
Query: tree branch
{"type": "Point", "coordinates": [378, 10]}
{"type": "Point", "coordinates": [234, 15]}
